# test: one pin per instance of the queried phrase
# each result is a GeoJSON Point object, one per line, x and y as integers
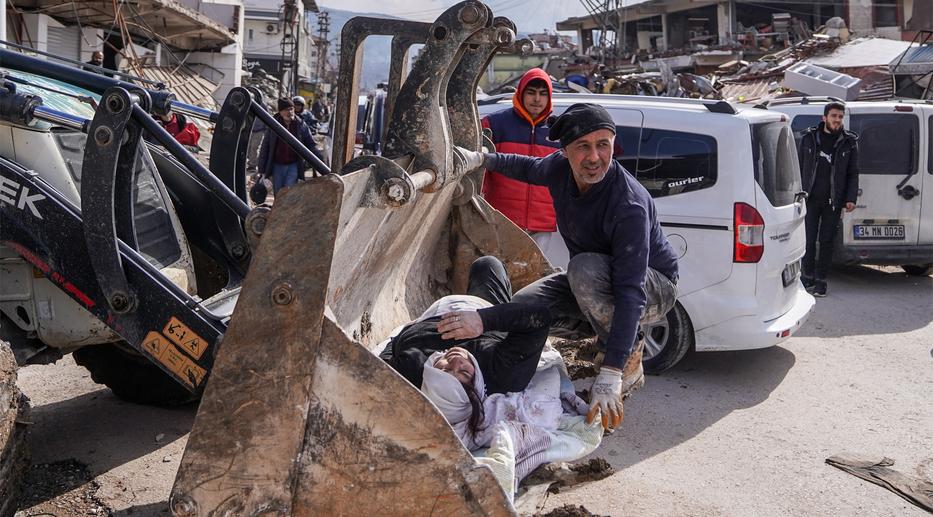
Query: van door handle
{"type": "Point", "coordinates": [908, 192]}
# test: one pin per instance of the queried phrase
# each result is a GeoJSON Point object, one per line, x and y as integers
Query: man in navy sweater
{"type": "Point", "coordinates": [622, 271]}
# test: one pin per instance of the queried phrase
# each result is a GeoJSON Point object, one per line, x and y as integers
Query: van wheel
{"type": "Point", "coordinates": [918, 269]}
{"type": "Point", "coordinates": [14, 413]}
{"type": "Point", "coordinates": [130, 376]}
{"type": "Point", "coordinates": [666, 343]}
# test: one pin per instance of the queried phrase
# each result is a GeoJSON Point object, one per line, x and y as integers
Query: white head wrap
{"type": "Point", "coordinates": [446, 392]}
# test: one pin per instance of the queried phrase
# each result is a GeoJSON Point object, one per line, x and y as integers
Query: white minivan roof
{"type": "Point", "coordinates": [744, 111]}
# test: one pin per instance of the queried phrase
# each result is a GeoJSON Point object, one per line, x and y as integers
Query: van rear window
{"type": "Point", "coordinates": [888, 142]}
{"type": "Point", "coordinates": [667, 162]}
{"type": "Point", "coordinates": [774, 153]}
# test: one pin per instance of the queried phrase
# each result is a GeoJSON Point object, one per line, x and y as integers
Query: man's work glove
{"type": "Point", "coordinates": [606, 398]}
{"type": "Point", "coordinates": [473, 160]}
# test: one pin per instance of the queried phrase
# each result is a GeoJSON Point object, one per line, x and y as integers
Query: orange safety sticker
{"type": "Point", "coordinates": [166, 353]}
{"type": "Point", "coordinates": [184, 337]}
{"type": "Point", "coordinates": [155, 343]}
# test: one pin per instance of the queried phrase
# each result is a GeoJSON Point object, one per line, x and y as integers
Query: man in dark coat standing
{"type": "Point", "coordinates": [276, 158]}
{"type": "Point", "coordinates": [829, 169]}
{"type": "Point", "coordinates": [622, 271]}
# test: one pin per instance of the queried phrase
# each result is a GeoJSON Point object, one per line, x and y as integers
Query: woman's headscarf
{"type": "Point", "coordinates": [446, 392]}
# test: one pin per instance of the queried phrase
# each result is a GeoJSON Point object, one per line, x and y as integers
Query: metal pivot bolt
{"type": "Point", "coordinates": [184, 507]}
{"type": "Point", "coordinates": [120, 302]}
{"type": "Point", "coordinates": [238, 250]}
{"type": "Point", "coordinates": [469, 14]}
{"type": "Point", "coordinates": [503, 36]}
{"type": "Point", "coordinates": [256, 224]}
{"type": "Point", "coordinates": [228, 124]}
{"type": "Point", "coordinates": [103, 135]}
{"type": "Point", "coordinates": [237, 98]}
{"type": "Point", "coordinates": [115, 103]}
{"type": "Point", "coordinates": [283, 294]}
{"type": "Point", "coordinates": [396, 192]}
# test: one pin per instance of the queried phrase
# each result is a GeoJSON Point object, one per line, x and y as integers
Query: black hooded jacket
{"type": "Point", "coordinates": [844, 177]}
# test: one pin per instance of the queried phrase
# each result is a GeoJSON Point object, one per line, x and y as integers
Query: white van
{"type": "Point", "coordinates": [726, 184]}
{"type": "Point", "coordinates": [892, 223]}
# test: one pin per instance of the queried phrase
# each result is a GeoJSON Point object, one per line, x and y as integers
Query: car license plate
{"type": "Point", "coordinates": [790, 273]}
{"type": "Point", "coordinates": [878, 231]}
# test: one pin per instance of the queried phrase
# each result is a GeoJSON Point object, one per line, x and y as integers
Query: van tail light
{"type": "Point", "coordinates": [749, 239]}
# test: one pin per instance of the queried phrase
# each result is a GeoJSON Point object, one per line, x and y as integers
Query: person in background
{"type": "Point", "coordinates": [276, 158]}
{"type": "Point", "coordinates": [303, 114]}
{"type": "Point", "coordinates": [319, 109]}
{"type": "Point", "coordinates": [829, 172]}
{"type": "Point", "coordinates": [180, 128]}
{"type": "Point", "coordinates": [97, 59]}
{"type": "Point", "coordinates": [523, 129]}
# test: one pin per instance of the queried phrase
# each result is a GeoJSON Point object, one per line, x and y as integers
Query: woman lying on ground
{"type": "Point", "coordinates": [512, 433]}
{"type": "Point", "coordinates": [479, 359]}
{"type": "Point", "coordinates": [505, 338]}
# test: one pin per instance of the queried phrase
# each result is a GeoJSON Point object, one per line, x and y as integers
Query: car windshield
{"type": "Point", "coordinates": [774, 154]}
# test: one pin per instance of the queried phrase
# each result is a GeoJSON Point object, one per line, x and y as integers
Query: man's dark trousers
{"type": "Point", "coordinates": [581, 300]}
{"type": "Point", "coordinates": [821, 222]}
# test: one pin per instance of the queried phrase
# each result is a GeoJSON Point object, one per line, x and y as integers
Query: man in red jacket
{"type": "Point", "coordinates": [523, 129]}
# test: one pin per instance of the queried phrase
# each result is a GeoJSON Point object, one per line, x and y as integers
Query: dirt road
{"type": "Point", "coordinates": [743, 433]}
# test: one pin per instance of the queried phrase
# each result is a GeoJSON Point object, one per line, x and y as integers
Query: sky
{"type": "Point", "coordinates": [528, 15]}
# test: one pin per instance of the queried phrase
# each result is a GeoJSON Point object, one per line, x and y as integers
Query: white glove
{"type": "Point", "coordinates": [473, 159]}
{"type": "Point", "coordinates": [606, 398]}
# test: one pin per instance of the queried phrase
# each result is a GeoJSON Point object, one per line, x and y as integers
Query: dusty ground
{"type": "Point", "coordinates": [743, 433]}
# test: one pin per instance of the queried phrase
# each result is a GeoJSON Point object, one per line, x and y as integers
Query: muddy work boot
{"type": "Point", "coordinates": [633, 373]}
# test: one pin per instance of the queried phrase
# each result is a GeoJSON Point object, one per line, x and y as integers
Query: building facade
{"type": "Point", "coordinates": [200, 36]}
{"type": "Point", "coordinates": [275, 48]}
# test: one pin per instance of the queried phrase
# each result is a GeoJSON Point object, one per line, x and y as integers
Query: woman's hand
{"type": "Point", "coordinates": [460, 325]}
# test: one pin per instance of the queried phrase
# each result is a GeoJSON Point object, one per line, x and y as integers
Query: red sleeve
{"type": "Point", "coordinates": [189, 135]}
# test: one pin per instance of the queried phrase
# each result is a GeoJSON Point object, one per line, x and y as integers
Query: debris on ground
{"type": "Point", "coordinates": [579, 355]}
{"type": "Point", "coordinates": [565, 475]}
{"type": "Point", "coordinates": [64, 488]}
{"type": "Point", "coordinates": [876, 470]}
{"type": "Point", "coordinates": [568, 510]}
{"type": "Point", "coordinates": [550, 478]}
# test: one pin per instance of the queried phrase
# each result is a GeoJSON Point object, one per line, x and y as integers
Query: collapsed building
{"type": "Point", "coordinates": [741, 50]}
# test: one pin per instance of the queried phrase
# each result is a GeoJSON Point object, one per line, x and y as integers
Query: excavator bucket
{"type": "Point", "coordinates": [299, 416]}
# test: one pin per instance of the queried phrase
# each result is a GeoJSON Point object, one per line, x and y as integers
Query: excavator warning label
{"type": "Point", "coordinates": [166, 353]}
{"type": "Point", "coordinates": [183, 336]}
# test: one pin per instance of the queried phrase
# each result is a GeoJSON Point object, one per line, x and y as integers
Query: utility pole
{"type": "Point", "coordinates": [289, 62]}
{"type": "Point", "coordinates": [323, 26]}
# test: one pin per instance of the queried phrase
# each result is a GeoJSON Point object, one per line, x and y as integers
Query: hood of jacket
{"type": "Point", "coordinates": [531, 75]}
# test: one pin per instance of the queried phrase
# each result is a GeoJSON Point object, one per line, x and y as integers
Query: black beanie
{"type": "Point", "coordinates": [284, 104]}
{"type": "Point", "coordinates": [579, 119]}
